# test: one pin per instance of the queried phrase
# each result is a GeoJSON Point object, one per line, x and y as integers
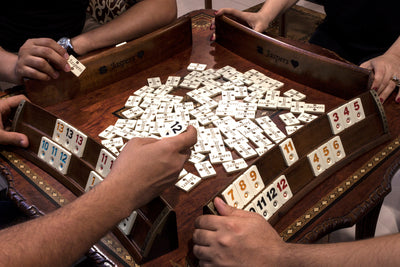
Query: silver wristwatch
{"type": "Point", "coordinates": [66, 43]}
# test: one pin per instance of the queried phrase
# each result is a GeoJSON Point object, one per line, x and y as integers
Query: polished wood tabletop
{"type": "Point", "coordinates": [351, 195]}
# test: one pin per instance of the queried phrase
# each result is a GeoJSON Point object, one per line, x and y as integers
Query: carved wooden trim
{"type": "Point", "coordinates": [118, 250]}
{"type": "Point", "coordinates": [33, 212]}
{"type": "Point", "coordinates": [360, 211]}
{"type": "Point", "coordinates": [34, 178]}
{"type": "Point", "coordinates": [339, 191]}
{"type": "Point", "coordinates": [29, 210]}
{"type": "Point", "coordinates": [201, 22]}
{"type": "Point", "coordinates": [99, 258]}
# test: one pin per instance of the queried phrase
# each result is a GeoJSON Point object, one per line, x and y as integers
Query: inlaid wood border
{"type": "Point", "coordinates": [340, 190]}
{"type": "Point", "coordinates": [108, 241]}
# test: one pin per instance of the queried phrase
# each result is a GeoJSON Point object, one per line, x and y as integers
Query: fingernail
{"type": "Point", "coordinates": [67, 67]}
{"type": "Point", "coordinates": [215, 12]}
{"type": "Point", "coordinates": [217, 199]}
{"type": "Point", "coordinates": [23, 143]}
{"type": "Point", "coordinates": [56, 75]}
{"type": "Point", "coordinates": [381, 99]}
{"type": "Point", "coordinates": [375, 89]}
{"type": "Point", "coordinates": [66, 56]}
{"type": "Point", "coordinates": [398, 100]}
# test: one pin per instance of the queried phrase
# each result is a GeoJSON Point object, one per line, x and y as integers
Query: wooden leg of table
{"type": "Point", "coordinates": [208, 4]}
{"type": "Point", "coordinates": [366, 227]}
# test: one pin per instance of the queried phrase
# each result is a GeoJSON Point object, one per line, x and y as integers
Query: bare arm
{"type": "Point", "coordinates": [8, 60]}
{"type": "Point", "coordinates": [385, 67]}
{"type": "Point", "coordinates": [43, 58]}
{"type": "Point", "coordinates": [144, 17]}
{"type": "Point", "coordinates": [380, 251]}
{"type": "Point", "coordinates": [260, 21]}
{"type": "Point", "coordinates": [241, 238]}
{"type": "Point", "coordinates": [144, 168]}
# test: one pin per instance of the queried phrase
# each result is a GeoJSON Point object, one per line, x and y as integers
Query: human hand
{"type": "Point", "coordinates": [236, 238]}
{"type": "Point", "coordinates": [256, 21]}
{"type": "Point", "coordinates": [41, 59]}
{"type": "Point", "coordinates": [147, 166]}
{"type": "Point", "coordinates": [6, 137]}
{"type": "Point", "coordinates": [385, 68]}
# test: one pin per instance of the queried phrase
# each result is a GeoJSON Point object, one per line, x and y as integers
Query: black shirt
{"type": "Point", "coordinates": [24, 19]}
{"type": "Point", "coordinates": [359, 29]}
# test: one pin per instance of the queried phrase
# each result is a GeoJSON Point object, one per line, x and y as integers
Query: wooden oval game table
{"type": "Point", "coordinates": [349, 194]}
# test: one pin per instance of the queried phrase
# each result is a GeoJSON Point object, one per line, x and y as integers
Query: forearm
{"type": "Point", "coordinates": [60, 238]}
{"type": "Point", "coordinates": [7, 66]}
{"type": "Point", "coordinates": [273, 8]}
{"type": "Point", "coordinates": [142, 171]}
{"type": "Point", "coordinates": [381, 251]}
{"type": "Point", "coordinates": [144, 17]}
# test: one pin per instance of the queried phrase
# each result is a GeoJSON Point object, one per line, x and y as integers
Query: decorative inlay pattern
{"type": "Point", "coordinates": [201, 22]}
{"type": "Point", "coordinates": [340, 190]}
{"type": "Point", "coordinates": [32, 177]}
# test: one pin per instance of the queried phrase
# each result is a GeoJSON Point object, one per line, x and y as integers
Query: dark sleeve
{"type": "Point", "coordinates": [22, 20]}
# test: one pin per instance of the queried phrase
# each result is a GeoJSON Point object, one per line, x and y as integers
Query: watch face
{"type": "Point", "coordinates": [64, 42]}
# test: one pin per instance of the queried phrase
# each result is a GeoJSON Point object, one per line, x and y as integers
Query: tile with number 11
{"type": "Point", "coordinates": [288, 151]}
{"type": "Point", "coordinates": [56, 156]}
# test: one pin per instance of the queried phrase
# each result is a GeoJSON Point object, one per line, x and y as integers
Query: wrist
{"type": "Point", "coordinates": [264, 20]}
{"type": "Point", "coordinates": [123, 195]}
{"type": "Point", "coordinates": [8, 70]}
{"type": "Point", "coordinates": [81, 44]}
{"type": "Point", "coordinates": [66, 43]}
{"type": "Point", "coordinates": [395, 55]}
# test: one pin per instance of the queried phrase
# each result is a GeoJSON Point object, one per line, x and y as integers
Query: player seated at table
{"type": "Point", "coordinates": [144, 168]}
{"type": "Point", "coordinates": [30, 30]}
{"type": "Point", "coordinates": [243, 238]}
{"type": "Point", "coordinates": [361, 31]}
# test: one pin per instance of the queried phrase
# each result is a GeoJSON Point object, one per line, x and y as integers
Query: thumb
{"type": "Point", "coordinates": [367, 65]}
{"type": "Point", "coordinates": [223, 208]}
{"type": "Point", "coordinates": [226, 210]}
{"type": "Point", "coordinates": [186, 139]}
{"type": "Point", "coordinates": [13, 138]}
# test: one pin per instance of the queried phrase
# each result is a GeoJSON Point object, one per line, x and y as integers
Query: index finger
{"type": "Point", "coordinates": [47, 42]}
{"type": "Point", "coordinates": [208, 222]}
{"type": "Point", "coordinates": [9, 103]}
{"type": "Point", "coordinates": [14, 101]}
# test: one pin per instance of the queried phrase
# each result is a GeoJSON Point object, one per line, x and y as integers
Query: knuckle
{"type": "Point", "coordinates": [198, 222]}
{"type": "Point", "coordinates": [230, 225]}
{"type": "Point", "coordinates": [196, 235]}
{"type": "Point", "coordinates": [44, 50]}
{"type": "Point", "coordinates": [224, 240]}
{"type": "Point", "coordinates": [28, 42]}
{"type": "Point", "coordinates": [41, 63]}
{"type": "Point", "coordinates": [197, 251]}
{"type": "Point", "coordinates": [46, 41]}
